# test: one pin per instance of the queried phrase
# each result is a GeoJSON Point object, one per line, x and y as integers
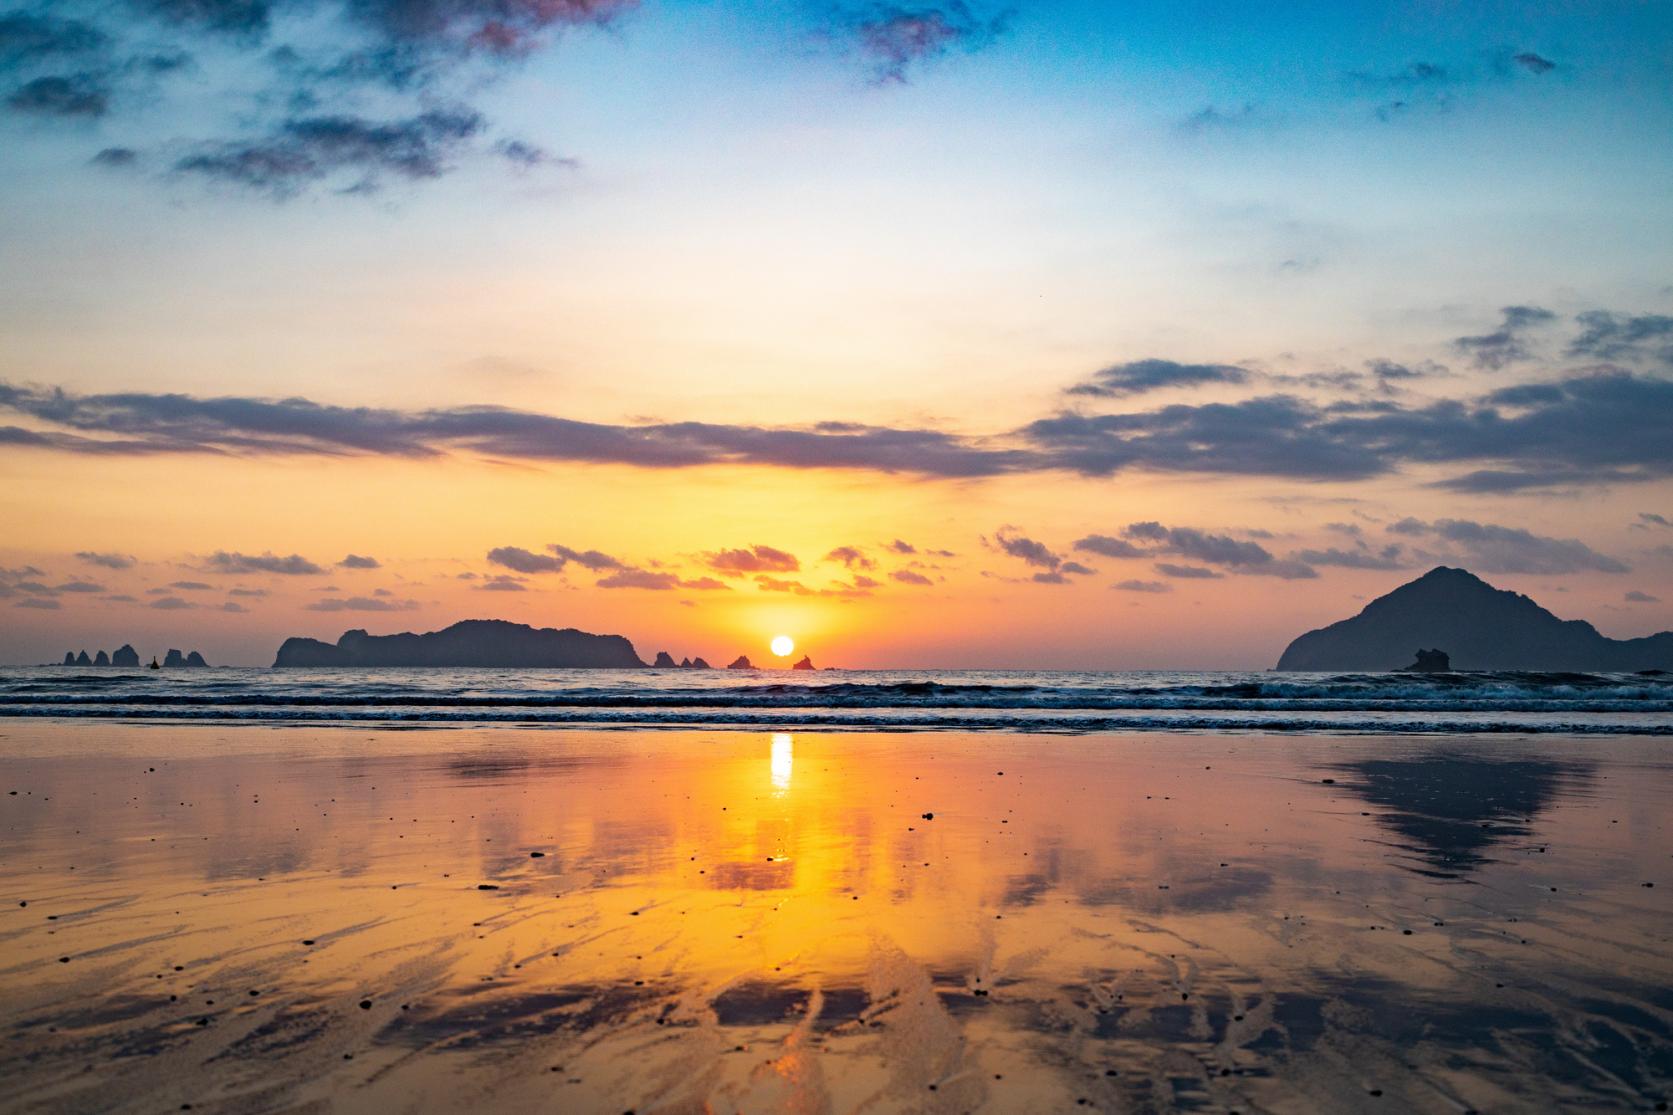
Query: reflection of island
{"type": "Point", "coordinates": [1451, 810]}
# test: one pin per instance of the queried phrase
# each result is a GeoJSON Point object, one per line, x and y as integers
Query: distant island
{"type": "Point", "coordinates": [1472, 626]}
{"type": "Point", "coordinates": [472, 642]}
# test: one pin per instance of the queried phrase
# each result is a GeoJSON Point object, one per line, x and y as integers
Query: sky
{"type": "Point", "coordinates": [937, 334]}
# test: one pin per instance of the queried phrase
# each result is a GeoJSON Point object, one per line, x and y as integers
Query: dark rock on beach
{"type": "Point", "coordinates": [473, 642]}
{"type": "Point", "coordinates": [1482, 627]}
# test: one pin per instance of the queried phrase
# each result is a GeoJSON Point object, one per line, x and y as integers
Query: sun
{"type": "Point", "coordinates": [783, 645]}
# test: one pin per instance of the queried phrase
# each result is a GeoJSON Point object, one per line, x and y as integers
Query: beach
{"type": "Point", "coordinates": [315, 917]}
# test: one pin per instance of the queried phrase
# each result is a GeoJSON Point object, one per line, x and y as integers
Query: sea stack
{"type": "Point", "coordinates": [69, 658]}
{"type": "Point", "coordinates": [664, 661]}
{"type": "Point", "coordinates": [101, 659]}
{"type": "Point", "coordinates": [174, 658]}
{"type": "Point", "coordinates": [805, 664]}
{"type": "Point", "coordinates": [196, 659]}
{"type": "Point", "coordinates": [700, 663]}
{"type": "Point", "coordinates": [742, 662]}
{"type": "Point", "coordinates": [125, 655]}
{"type": "Point", "coordinates": [83, 660]}
{"type": "Point", "coordinates": [1430, 662]}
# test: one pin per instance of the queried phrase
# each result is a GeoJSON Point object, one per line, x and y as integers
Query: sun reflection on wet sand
{"type": "Point", "coordinates": [257, 919]}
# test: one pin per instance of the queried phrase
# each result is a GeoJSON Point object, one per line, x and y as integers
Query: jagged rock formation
{"type": "Point", "coordinates": [101, 659]}
{"type": "Point", "coordinates": [69, 658]}
{"type": "Point", "coordinates": [700, 664]}
{"type": "Point", "coordinates": [195, 659]}
{"type": "Point", "coordinates": [1430, 662]}
{"type": "Point", "coordinates": [664, 661]}
{"type": "Point", "coordinates": [125, 655]}
{"type": "Point", "coordinates": [472, 642]}
{"type": "Point", "coordinates": [805, 664]}
{"type": "Point", "coordinates": [742, 662]}
{"type": "Point", "coordinates": [1483, 628]}
{"type": "Point", "coordinates": [685, 663]}
{"type": "Point", "coordinates": [174, 658]}
{"type": "Point", "coordinates": [83, 660]}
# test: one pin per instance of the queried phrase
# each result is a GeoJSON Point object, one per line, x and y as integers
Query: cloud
{"type": "Point", "coordinates": [1492, 548]}
{"type": "Point", "coordinates": [755, 559]}
{"type": "Point", "coordinates": [1028, 550]}
{"type": "Point", "coordinates": [1607, 336]}
{"type": "Point", "coordinates": [896, 38]}
{"type": "Point", "coordinates": [1648, 519]}
{"type": "Point", "coordinates": [797, 588]}
{"type": "Point", "coordinates": [115, 158]}
{"type": "Point", "coordinates": [852, 557]}
{"type": "Point", "coordinates": [586, 559]}
{"type": "Point", "coordinates": [44, 604]}
{"type": "Point", "coordinates": [255, 593]}
{"type": "Point", "coordinates": [1599, 427]}
{"type": "Point", "coordinates": [900, 546]}
{"type": "Point", "coordinates": [304, 150]}
{"type": "Point", "coordinates": [172, 604]}
{"type": "Point", "coordinates": [1508, 343]}
{"type": "Point", "coordinates": [1217, 549]}
{"type": "Point", "coordinates": [268, 562]}
{"type": "Point", "coordinates": [1139, 376]}
{"type": "Point", "coordinates": [1533, 63]}
{"type": "Point", "coordinates": [27, 37]}
{"type": "Point", "coordinates": [502, 583]}
{"type": "Point", "coordinates": [274, 61]}
{"type": "Point", "coordinates": [1636, 597]}
{"type": "Point", "coordinates": [148, 424]}
{"type": "Point", "coordinates": [554, 560]}
{"type": "Point", "coordinates": [1106, 546]}
{"type": "Point", "coordinates": [358, 561]}
{"type": "Point", "coordinates": [79, 586]}
{"type": "Point", "coordinates": [107, 561]}
{"type": "Point", "coordinates": [525, 561]}
{"type": "Point", "coordinates": [1362, 557]}
{"type": "Point", "coordinates": [362, 604]}
{"type": "Point", "coordinates": [1212, 118]}
{"type": "Point", "coordinates": [190, 586]}
{"type": "Point", "coordinates": [910, 577]}
{"type": "Point", "coordinates": [234, 606]}
{"type": "Point", "coordinates": [74, 95]}
{"type": "Point", "coordinates": [657, 580]}
{"type": "Point", "coordinates": [1187, 572]}
{"type": "Point", "coordinates": [1142, 586]}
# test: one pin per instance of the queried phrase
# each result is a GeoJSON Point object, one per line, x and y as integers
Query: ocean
{"type": "Point", "coordinates": [894, 700]}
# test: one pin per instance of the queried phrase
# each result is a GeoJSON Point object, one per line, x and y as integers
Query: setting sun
{"type": "Point", "coordinates": [783, 645]}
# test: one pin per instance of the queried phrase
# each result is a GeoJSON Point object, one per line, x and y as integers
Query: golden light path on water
{"type": "Point", "coordinates": [246, 918]}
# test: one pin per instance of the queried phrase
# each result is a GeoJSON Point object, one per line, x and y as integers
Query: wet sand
{"type": "Point", "coordinates": [310, 919]}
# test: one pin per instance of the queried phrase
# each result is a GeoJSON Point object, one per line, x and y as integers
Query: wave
{"type": "Point", "coordinates": [1465, 702]}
